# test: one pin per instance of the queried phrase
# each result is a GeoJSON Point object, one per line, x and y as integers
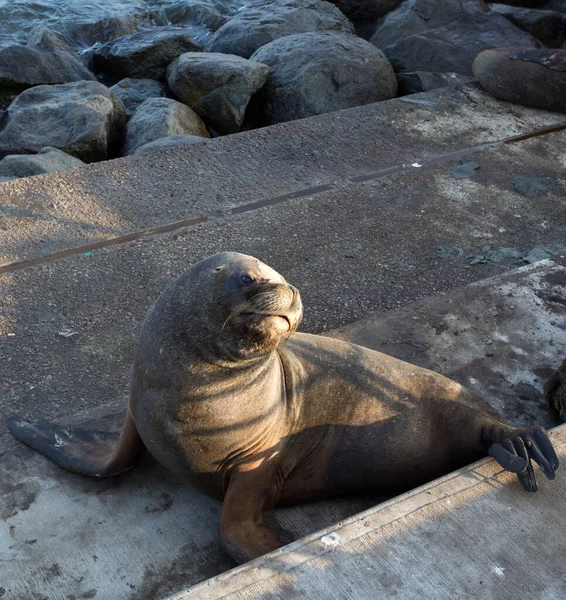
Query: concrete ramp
{"type": "Point", "coordinates": [385, 207]}
{"type": "Point", "coordinates": [144, 535]}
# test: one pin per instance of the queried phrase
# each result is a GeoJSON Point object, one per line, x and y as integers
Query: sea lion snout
{"type": "Point", "coordinates": [278, 299]}
{"type": "Point", "coordinates": [272, 298]}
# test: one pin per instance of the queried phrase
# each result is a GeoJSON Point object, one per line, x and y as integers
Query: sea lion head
{"type": "Point", "coordinates": [237, 307]}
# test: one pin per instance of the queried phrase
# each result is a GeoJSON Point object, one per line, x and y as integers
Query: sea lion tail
{"type": "Point", "coordinates": [95, 453]}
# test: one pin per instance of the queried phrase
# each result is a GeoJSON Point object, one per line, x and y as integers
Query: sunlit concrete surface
{"type": "Point", "coordinates": [51, 213]}
{"type": "Point", "coordinates": [378, 214]}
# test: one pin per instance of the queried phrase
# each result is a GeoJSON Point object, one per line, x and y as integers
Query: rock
{"type": "Point", "coordinates": [158, 118]}
{"type": "Point", "coordinates": [535, 78]}
{"type": "Point", "coordinates": [186, 12]}
{"type": "Point", "coordinates": [46, 59]}
{"type": "Point", "coordinates": [555, 5]}
{"type": "Point", "coordinates": [173, 141]}
{"type": "Point", "coordinates": [264, 22]}
{"type": "Point", "coordinates": [423, 81]}
{"type": "Point", "coordinates": [132, 92]}
{"type": "Point", "coordinates": [144, 55]}
{"type": "Point", "coordinates": [83, 119]}
{"type": "Point", "coordinates": [200, 19]}
{"type": "Point", "coordinates": [525, 3]}
{"type": "Point", "coordinates": [216, 86]}
{"type": "Point", "coordinates": [314, 73]}
{"type": "Point", "coordinates": [85, 35]}
{"type": "Point", "coordinates": [362, 11]}
{"type": "Point", "coordinates": [444, 37]}
{"type": "Point", "coordinates": [7, 96]}
{"type": "Point", "coordinates": [47, 160]}
{"type": "Point", "coordinates": [548, 26]}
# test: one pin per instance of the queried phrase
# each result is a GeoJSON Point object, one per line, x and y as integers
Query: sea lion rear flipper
{"type": "Point", "coordinates": [515, 454]}
{"type": "Point", "coordinates": [96, 453]}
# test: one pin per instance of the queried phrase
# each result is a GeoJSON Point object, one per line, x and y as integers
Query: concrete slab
{"type": "Point", "coordinates": [51, 213]}
{"type": "Point", "coordinates": [361, 248]}
{"type": "Point", "coordinates": [471, 534]}
{"type": "Point", "coordinates": [479, 335]}
{"type": "Point", "coordinates": [143, 535]}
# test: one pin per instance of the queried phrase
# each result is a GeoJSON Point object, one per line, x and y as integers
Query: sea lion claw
{"type": "Point", "coordinates": [542, 452]}
{"type": "Point", "coordinates": [517, 453]}
{"type": "Point", "coordinates": [527, 480]}
{"type": "Point", "coordinates": [506, 455]}
{"type": "Point", "coordinates": [527, 477]}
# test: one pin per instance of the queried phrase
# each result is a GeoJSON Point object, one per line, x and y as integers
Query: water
{"type": "Point", "coordinates": [18, 17]}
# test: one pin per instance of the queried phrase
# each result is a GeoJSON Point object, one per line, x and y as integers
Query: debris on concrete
{"type": "Point", "coordinates": [534, 185]}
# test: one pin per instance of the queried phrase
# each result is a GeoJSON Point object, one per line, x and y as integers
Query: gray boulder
{"type": "Point", "coordinates": [46, 59]}
{"type": "Point", "coordinates": [216, 86]}
{"type": "Point", "coordinates": [548, 26]}
{"type": "Point", "coordinates": [423, 81]}
{"type": "Point", "coordinates": [445, 37]}
{"type": "Point", "coordinates": [132, 92]}
{"type": "Point", "coordinates": [158, 118]}
{"type": "Point", "coordinates": [100, 31]}
{"type": "Point", "coordinates": [83, 119]}
{"type": "Point", "coordinates": [535, 78]}
{"type": "Point", "coordinates": [362, 11]}
{"type": "Point", "coordinates": [525, 3]}
{"type": "Point", "coordinates": [200, 19]}
{"type": "Point", "coordinates": [173, 141]}
{"type": "Point", "coordinates": [187, 12]}
{"type": "Point", "coordinates": [144, 55]}
{"type": "Point", "coordinates": [556, 5]}
{"type": "Point", "coordinates": [87, 37]}
{"type": "Point", "coordinates": [47, 160]}
{"type": "Point", "coordinates": [314, 73]}
{"type": "Point", "coordinates": [264, 22]}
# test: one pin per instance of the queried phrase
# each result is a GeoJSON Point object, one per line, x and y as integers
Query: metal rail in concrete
{"type": "Point", "coordinates": [116, 201]}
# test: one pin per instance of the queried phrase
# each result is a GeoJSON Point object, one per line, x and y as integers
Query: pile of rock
{"type": "Point", "coordinates": [195, 70]}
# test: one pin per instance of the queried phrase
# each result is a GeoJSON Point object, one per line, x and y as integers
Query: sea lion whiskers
{"type": "Point", "coordinates": [279, 297]}
{"type": "Point", "coordinates": [279, 301]}
{"type": "Point", "coordinates": [251, 307]}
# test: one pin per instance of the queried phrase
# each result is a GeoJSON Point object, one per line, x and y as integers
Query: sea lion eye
{"type": "Point", "coordinates": [246, 279]}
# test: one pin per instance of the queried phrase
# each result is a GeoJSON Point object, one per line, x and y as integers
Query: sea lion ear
{"type": "Point", "coordinates": [219, 268]}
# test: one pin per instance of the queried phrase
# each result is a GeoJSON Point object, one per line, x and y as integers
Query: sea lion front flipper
{"type": "Point", "coordinates": [516, 452]}
{"type": "Point", "coordinates": [83, 451]}
{"type": "Point", "coordinates": [247, 511]}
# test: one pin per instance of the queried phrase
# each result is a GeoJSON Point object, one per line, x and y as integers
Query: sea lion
{"type": "Point", "coordinates": [227, 395]}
